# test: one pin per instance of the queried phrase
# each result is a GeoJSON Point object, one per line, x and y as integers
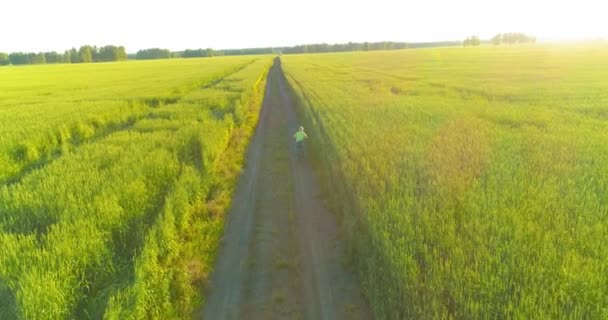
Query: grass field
{"type": "Point", "coordinates": [113, 181]}
{"type": "Point", "coordinates": [472, 182]}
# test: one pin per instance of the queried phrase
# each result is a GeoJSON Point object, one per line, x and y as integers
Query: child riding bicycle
{"type": "Point", "coordinates": [299, 137]}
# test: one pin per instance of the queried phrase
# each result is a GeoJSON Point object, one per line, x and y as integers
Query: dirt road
{"type": "Point", "coordinates": [281, 257]}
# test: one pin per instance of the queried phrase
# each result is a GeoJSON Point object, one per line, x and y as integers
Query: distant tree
{"type": "Point", "coordinates": [475, 41]}
{"type": "Point", "coordinates": [66, 56]}
{"type": "Point", "coordinates": [154, 53]}
{"type": "Point", "coordinates": [497, 39]}
{"type": "Point", "coordinates": [74, 56]}
{"type": "Point", "coordinates": [111, 53]}
{"type": "Point", "coordinates": [511, 38]}
{"type": "Point", "coordinates": [85, 54]}
{"type": "Point", "coordinates": [53, 57]}
{"type": "Point", "coordinates": [4, 60]}
{"type": "Point", "coordinates": [341, 47]}
{"type": "Point", "coordinates": [121, 53]}
{"type": "Point", "coordinates": [106, 53]}
{"type": "Point", "coordinates": [322, 47]}
{"type": "Point", "coordinates": [355, 46]}
{"type": "Point", "coordinates": [198, 53]}
{"type": "Point", "coordinates": [234, 52]}
{"type": "Point", "coordinates": [37, 58]}
{"type": "Point", "coordinates": [524, 38]}
{"type": "Point", "coordinates": [188, 53]}
{"type": "Point", "coordinates": [94, 54]}
{"type": "Point", "coordinates": [19, 58]}
{"type": "Point", "coordinates": [471, 41]}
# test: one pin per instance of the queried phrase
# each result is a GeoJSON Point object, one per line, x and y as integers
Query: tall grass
{"type": "Point", "coordinates": [125, 224]}
{"type": "Point", "coordinates": [471, 182]}
{"type": "Point", "coordinates": [45, 110]}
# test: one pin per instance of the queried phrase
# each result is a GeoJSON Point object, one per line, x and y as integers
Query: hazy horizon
{"type": "Point", "coordinates": [185, 24]}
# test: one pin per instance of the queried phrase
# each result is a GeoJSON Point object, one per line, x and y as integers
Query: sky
{"type": "Point", "coordinates": [42, 25]}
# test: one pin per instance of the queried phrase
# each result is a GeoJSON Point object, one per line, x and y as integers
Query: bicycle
{"type": "Point", "coordinates": [300, 149]}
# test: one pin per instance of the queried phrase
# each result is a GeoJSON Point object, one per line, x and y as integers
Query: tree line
{"type": "Point", "coordinates": [157, 53]}
{"type": "Point", "coordinates": [364, 46]}
{"type": "Point", "coordinates": [85, 54]}
{"type": "Point", "coordinates": [154, 53]}
{"type": "Point", "coordinates": [114, 53]}
{"type": "Point", "coordinates": [501, 38]}
{"type": "Point", "coordinates": [249, 51]}
{"type": "Point", "coordinates": [512, 38]}
{"type": "Point", "coordinates": [343, 47]}
{"type": "Point", "coordinates": [471, 41]}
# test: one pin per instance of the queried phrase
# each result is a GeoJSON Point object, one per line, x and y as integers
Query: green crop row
{"type": "Point", "coordinates": [471, 182]}
{"type": "Point", "coordinates": [125, 225]}
{"type": "Point", "coordinates": [46, 110]}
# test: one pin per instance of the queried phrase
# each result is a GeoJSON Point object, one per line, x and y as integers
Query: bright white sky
{"type": "Point", "coordinates": [41, 25]}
